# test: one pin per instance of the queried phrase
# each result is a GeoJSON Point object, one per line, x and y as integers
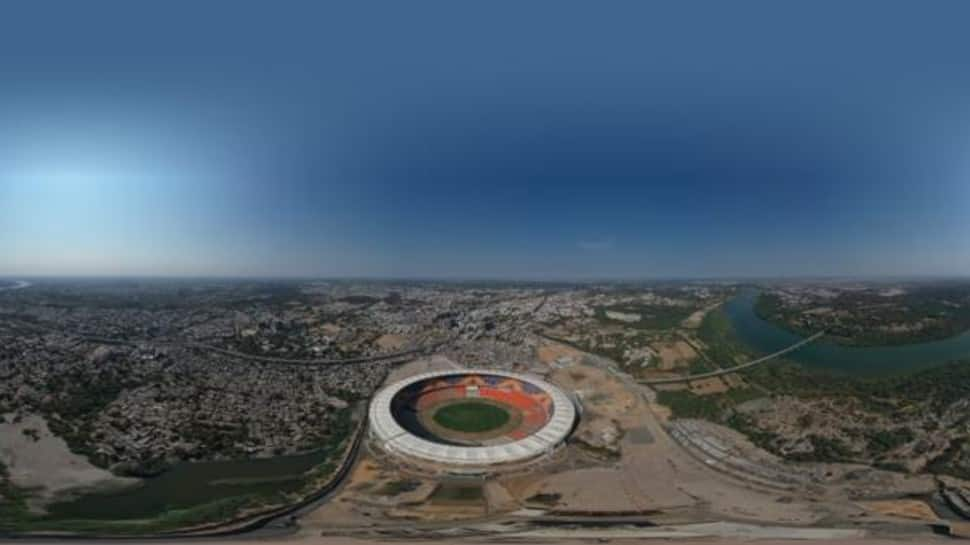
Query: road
{"type": "Point", "coordinates": [736, 368]}
{"type": "Point", "coordinates": [407, 354]}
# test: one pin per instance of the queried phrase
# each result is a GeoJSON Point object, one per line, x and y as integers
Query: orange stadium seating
{"type": "Point", "coordinates": [535, 408]}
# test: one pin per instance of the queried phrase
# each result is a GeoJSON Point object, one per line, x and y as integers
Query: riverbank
{"type": "Point", "coordinates": [198, 499]}
{"type": "Point", "coordinates": [37, 460]}
{"type": "Point", "coordinates": [764, 337]}
{"type": "Point", "coordinates": [866, 327]}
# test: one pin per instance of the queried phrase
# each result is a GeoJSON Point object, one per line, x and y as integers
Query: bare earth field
{"type": "Point", "coordinates": [550, 352]}
{"type": "Point", "coordinates": [913, 509]}
{"type": "Point", "coordinates": [675, 354]}
{"type": "Point", "coordinates": [389, 342]}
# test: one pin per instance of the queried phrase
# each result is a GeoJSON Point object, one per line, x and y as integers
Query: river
{"type": "Point", "coordinates": [765, 337]}
{"type": "Point", "coordinates": [194, 483]}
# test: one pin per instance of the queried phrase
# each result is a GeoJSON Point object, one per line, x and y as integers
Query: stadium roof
{"type": "Point", "coordinates": [395, 438]}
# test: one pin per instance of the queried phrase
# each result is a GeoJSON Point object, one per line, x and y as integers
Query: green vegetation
{"type": "Point", "coordinates": [717, 333]}
{"type": "Point", "coordinates": [212, 512]}
{"type": "Point", "coordinates": [686, 404]}
{"type": "Point", "coordinates": [700, 365]}
{"type": "Point", "coordinates": [82, 396]}
{"type": "Point", "coordinates": [938, 387]}
{"type": "Point", "coordinates": [651, 316]}
{"type": "Point", "coordinates": [471, 416]}
{"type": "Point", "coordinates": [545, 498]}
{"type": "Point", "coordinates": [393, 488]}
{"type": "Point", "coordinates": [450, 493]}
{"type": "Point", "coordinates": [886, 440]}
{"type": "Point", "coordinates": [762, 438]}
{"type": "Point", "coordinates": [867, 318]}
{"type": "Point", "coordinates": [953, 461]}
{"type": "Point", "coordinates": [825, 449]}
{"type": "Point", "coordinates": [13, 500]}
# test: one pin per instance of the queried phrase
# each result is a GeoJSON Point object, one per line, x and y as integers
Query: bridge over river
{"type": "Point", "coordinates": [736, 368]}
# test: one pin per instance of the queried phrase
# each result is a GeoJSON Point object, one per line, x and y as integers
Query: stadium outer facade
{"type": "Point", "coordinates": [393, 438]}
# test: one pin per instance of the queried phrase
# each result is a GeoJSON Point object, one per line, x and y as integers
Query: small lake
{"type": "Point", "coordinates": [765, 337]}
{"type": "Point", "coordinates": [193, 483]}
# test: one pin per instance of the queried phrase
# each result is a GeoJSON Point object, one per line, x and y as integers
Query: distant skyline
{"type": "Point", "coordinates": [547, 140]}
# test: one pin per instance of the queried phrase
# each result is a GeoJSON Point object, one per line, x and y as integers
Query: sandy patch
{"type": "Point", "coordinates": [41, 461]}
{"type": "Point", "coordinates": [627, 317]}
{"type": "Point", "coordinates": [674, 354]}
{"type": "Point", "coordinates": [733, 380]}
{"type": "Point", "coordinates": [599, 392]}
{"type": "Point", "coordinates": [911, 509]}
{"type": "Point", "coordinates": [330, 328]}
{"type": "Point", "coordinates": [694, 320]}
{"type": "Point", "coordinates": [549, 353]}
{"type": "Point", "coordinates": [588, 490]}
{"type": "Point", "coordinates": [708, 386]}
{"type": "Point", "coordinates": [389, 342]}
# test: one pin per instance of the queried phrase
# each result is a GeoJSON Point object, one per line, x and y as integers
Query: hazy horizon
{"type": "Point", "coordinates": [555, 141]}
{"type": "Point", "coordinates": [818, 279]}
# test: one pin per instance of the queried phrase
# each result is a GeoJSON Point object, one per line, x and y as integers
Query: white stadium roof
{"type": "Point", "coordinates": [393, 438]}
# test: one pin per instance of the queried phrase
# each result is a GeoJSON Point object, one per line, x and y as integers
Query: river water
{"type": "Point", "coordinates": [765, 337]}
{"type": "Point", "coordinates": [191, 484]}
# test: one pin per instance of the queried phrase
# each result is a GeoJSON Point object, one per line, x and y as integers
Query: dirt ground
{"type": "Point", "coordinates": [390, 342]}
{"type": "Point", "coordinates": [550, 352]}
{"type": "Point", "coordinates": [674, 354]}
{"type": "Point", "coordinates": [602, 490]}
{"type": "Point", "coordinates": [671, 387]}
{"type": "Point", "coordinates": [694, 320]}
{"type": "Point", "coordinates": [913, 509]}
{"type": "Point", "coordinates": [46, 463]}
{"type": "Point", "coordinates": [600, 392]}
{"type": "Point", "coordinates": [655, 473]}
{"type": "Point", "coordinates": [708, 386]}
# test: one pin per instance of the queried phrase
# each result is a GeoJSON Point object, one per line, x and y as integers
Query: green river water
{"type": "Point", "coordinates": [765, 337]}
{"type": "Point", "coordinates": [190, 484]}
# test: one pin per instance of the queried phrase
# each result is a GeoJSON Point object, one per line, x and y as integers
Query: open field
{"type": "Point", "coordinates": [471, 416]}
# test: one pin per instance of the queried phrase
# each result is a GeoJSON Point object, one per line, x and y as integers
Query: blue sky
{"type": "Point", "coordinates": [500, 139]}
